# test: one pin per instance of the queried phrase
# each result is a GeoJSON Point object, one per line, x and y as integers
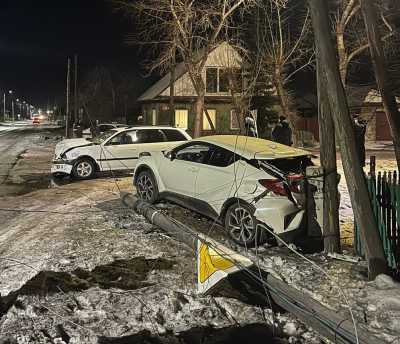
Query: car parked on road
{"type": "Point", "coordinates": [239, 181]}
{"type": "Point", "coordinates": [103, 127]}
{"type": "Point", "coordinates": [36, 120]}
{"type": "Point", "coordinates": [116, 149]}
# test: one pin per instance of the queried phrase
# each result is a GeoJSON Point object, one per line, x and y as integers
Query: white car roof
{"type": "Point", "coordinates": [253, 147]}
{"type": "Point", "coordinates": [146, 127]}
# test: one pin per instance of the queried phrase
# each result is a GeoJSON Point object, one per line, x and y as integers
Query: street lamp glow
{"type": "Point", "coordinates": [10, 91]}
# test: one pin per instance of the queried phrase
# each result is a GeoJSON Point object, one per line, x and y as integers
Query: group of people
{"type": "Point", "coordinates": [282, 133]}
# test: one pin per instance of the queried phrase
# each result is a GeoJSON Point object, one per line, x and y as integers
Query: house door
{"type": "Point", "coordinates": [382, 127]}
{"type": "Point", "coordinates": [164, 115]}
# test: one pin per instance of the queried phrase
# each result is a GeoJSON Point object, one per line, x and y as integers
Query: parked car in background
{"type": "Point", "coordinates": [36, 120]}
{"type": "Point", "coordinates": [103, 127]}
{"type": "Point", "coordinates": [239, 181]}
{"type": "Point", "coordinates": [116, 149]}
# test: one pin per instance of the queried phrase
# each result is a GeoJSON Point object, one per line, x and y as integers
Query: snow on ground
{"type": "Point", "coordinates": [79, 268]}
{"type": "Point", "coordinates": [375, 304]}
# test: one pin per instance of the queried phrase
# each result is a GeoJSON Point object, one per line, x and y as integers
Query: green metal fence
{"type": "Point", "coordinates": [384, 190]}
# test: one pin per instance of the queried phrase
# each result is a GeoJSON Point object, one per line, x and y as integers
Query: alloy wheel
{"type": "Point", "coordinates": [84, 169]}
{"type": "Point", "coordinates": [241, 225]}
{"type": "Point", "coordinates": [145, 187]}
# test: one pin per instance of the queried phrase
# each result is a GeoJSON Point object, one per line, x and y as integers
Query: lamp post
{"type": "Point", "coordinates": [10, 92]}
{"type": "Point", "coordinates": [4, 106]}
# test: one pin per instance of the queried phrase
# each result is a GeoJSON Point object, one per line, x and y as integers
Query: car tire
{"type": "Point", "coordinates": [241, 225]}
{"type": "Point", "coordinates": [84, 169]}
{"type": "Point", "coordinates": [146, 187]}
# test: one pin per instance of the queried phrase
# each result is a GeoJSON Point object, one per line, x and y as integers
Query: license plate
{"type": "Point", "coordinates": [64, 168]}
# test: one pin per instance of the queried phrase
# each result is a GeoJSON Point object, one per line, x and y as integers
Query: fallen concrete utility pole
{"type": "Point", "coordinates": [330, 324]}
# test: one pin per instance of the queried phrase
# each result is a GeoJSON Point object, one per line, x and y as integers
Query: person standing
{"type": "Point", "coordinates": [282, 132]}
{"type": "Point", "coordinates": [250, 126]}
{"type": "Point", "coordinates": [359, 131]}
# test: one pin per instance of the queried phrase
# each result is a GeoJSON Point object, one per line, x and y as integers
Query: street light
{"type": "Point", "coordinates": [10, 92]}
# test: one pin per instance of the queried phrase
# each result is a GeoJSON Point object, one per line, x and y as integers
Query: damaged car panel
{"type": "Point", "coordinates": [223, 178]}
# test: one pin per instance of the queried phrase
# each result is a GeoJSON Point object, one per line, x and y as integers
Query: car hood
{"type": "Point", "coordinates": [68, 144]}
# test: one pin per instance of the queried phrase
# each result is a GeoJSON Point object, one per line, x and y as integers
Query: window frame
{"type": "Point", "coordinates": [209, 68]}
{"type": "Point", "coordinates": [148, 130]}
{"type": "Point", "coordinates": [186, 145]}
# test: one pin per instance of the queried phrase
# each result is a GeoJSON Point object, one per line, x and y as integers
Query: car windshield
{"type": "Point", "coordinates": [101, 138]}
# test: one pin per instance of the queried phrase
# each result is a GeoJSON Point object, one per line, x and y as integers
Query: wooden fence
{"type": "Point", "coordinates": [384, 190]}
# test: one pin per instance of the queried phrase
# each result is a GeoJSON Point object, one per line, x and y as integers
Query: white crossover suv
{"type": "Point", "coordinates": [116, 149]}
{"type": "Point", "coordinates": [240, 181]}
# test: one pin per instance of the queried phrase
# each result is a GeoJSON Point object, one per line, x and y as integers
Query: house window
{"type": "Point", "coordinates": [213, 116]}
{"type": "Point", "coordinates": [217, 80]}
{"type": "Point", "coordinates": [212, 80]}
{"type": "Point", "coordinates": [223, 83]}
{"type": "Point", "coordinates": [153, 117]}
{"type": "Point", "coordinates": [181, 118]}
{"type": "Point", "coordinates": [234, 120]}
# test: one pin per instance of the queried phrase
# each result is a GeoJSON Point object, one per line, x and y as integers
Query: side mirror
{"type": "Point", "coordinates": [171, 155]}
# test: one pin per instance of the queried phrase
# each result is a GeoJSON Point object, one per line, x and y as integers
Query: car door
{"type": "Point", "coordinates": [151, 140]}
{"type": "Point", "coordinates": [219, 177]}
{"type": "Point", "coordinates": [179, 173]}
{"type": "Point", "coordinates": [120, 152]}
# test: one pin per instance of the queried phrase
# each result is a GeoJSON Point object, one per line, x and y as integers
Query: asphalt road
{"type": "Point", "coordinates": [14, 141]}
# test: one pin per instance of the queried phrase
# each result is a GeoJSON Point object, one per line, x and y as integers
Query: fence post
{"type": "Point", "coordinates": [372, 165]}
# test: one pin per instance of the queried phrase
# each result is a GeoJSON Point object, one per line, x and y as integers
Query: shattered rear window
{"type": "Point", "coordinates": [291, 165]}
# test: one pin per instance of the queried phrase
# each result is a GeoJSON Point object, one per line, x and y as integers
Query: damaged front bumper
{"type": "Point", "coordinates": [279, 214]}
{"type": "Point", "coordinates": [61, 167]}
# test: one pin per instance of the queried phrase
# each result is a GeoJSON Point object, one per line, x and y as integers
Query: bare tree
{"type": "Point", "coordinates": [281, 32]}
{"type": "Point", "coordinates": [190, 29]}
{"type": "Point", "coordinates": [351, 39]}
{"type": "Point", "coordinates": [375, 46]}
{"type": "Point", "coordinates": [351, 163]}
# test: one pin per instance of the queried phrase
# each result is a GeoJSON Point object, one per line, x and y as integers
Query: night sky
{"type": "Point", "coordinates": [36, 37]}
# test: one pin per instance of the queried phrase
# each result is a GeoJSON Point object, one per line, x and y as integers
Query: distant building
{"type": "Point", "coordinates": [155, 100]}
{"type": "Point", "coordinates": [378, 128]}
{"type": "Point", "coordinates": [362, 100]}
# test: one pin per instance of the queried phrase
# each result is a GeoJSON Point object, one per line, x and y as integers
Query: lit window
{"type": "Point", "coordinates": [181, 118]}
{"type": "Point", "coordinates": [213, 115]}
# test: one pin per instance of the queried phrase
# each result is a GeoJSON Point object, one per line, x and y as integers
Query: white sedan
{"type": "Point", "coordinates": [103, 127]}
{"type": "Point", "coordinates": [116, 149]}
{"type": "Point", "coordinates": [239, 181]}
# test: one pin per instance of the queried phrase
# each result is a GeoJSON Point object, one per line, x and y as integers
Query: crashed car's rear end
{"type": "Point", "coordinates": [282, 199]}
{"type": "Point", "coordinates": [268, 185]}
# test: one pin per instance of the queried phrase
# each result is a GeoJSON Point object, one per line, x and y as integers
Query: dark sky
{"type": "Point", "coordinates": [37, 36]}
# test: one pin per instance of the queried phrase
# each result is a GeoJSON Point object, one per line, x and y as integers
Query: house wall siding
{"type": "Point", "coordinates": [164, 117]}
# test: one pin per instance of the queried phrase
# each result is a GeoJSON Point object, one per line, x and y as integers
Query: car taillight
{"type": "Point", "coordinates": [295, 182]}
{"type": "Point", "coordinates": [275, 185]}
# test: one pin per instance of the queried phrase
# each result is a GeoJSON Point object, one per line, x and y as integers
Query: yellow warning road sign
{"type": "Point", "coordinates": [215, 262]}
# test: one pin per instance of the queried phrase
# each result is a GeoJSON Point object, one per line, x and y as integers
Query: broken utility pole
{"type": "Point", "coordinates": [354, 174]}
{"type": "Point", "coordinates": [378, 58]}
{"type": "Point", "coordinates": [331, 229]}
{"type": "Point", "coordinates": [335, 326]}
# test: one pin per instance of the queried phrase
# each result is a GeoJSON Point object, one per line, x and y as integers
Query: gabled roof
{"type": "Point", "coordinates": [162, 84]}
{"type": "Point", "coordinates": [180, 69]}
